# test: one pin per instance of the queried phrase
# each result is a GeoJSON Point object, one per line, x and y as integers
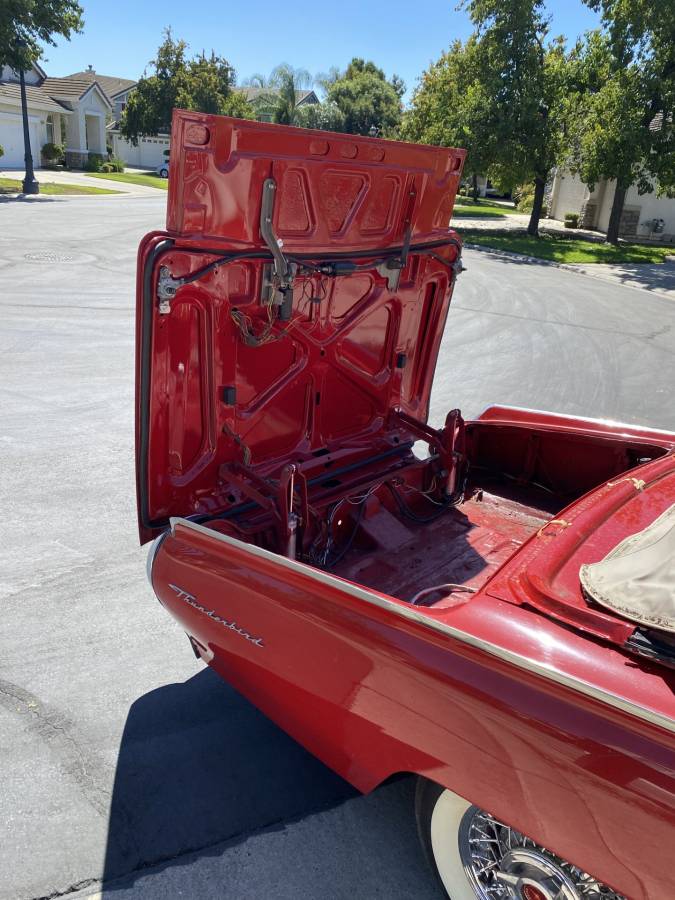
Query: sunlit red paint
{"type": "Point", "coordinates": [521, 698]}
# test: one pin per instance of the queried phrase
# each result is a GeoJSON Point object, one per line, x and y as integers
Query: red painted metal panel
{"type": "Point", "coordinates": [372, 693]}
{"type": "Point", "coordinates": [336, 191]}
{"type": "Point", "coordinates": [355, 346]}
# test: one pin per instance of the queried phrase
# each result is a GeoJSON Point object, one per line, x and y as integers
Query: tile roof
{"type": "Point", "coordinates": [69, 88]}
{"type": "Point", "coordinates": [252, 93]}
{"type": "Point", "coordinates": [11, 91]}
{"type": "Point", "coordinates": [111, 84]}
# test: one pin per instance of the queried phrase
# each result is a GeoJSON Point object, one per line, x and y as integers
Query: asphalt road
{"type": "Point", "coordinates": [119, 754]}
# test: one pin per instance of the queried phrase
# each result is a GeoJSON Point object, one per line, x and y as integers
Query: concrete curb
{"type": "Point", "coordinates": [521, 257]}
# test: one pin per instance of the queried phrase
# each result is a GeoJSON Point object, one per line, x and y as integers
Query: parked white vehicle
{"type": "Point", "coordinates": [163, 169]}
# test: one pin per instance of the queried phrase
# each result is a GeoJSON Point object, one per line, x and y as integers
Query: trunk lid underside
{"type": "Point", "coordinates": [234, 370]}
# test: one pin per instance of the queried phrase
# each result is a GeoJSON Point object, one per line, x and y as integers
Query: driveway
{"type": "Point", "coordinates": [119, 751]}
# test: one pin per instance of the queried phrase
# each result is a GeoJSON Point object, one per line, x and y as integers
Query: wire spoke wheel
{"type": "Point", "coordinates": [478, 857]}
{"type": "Point", "coordinates": [503, 864]}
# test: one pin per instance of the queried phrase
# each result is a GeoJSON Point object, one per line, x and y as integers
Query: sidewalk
{"type": "Point", "coordinates": [657, 278]}
{"type": "Point", "coordinates": [55, 177]}
{"type": "Point", "coordinates": [519, 222]}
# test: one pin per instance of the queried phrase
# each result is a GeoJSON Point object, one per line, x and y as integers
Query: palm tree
{"type": "Point", "coordinates": [289, 82]}
{"type": "Point", "coordinates": [256, 81]}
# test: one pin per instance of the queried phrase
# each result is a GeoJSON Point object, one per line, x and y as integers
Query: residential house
{"type": "Point", "coordinates": [82, 111]}
{"type": "Point", "coordinates": [60, 110]}
{"type": "Point", "coordinates": [644, 215]}
{"type": "Point", "coordinates": [149, 152]}
{"type": "Point", "coordinates": [263, 100]}
{"type": "Point", "coordinates": [117, 89]}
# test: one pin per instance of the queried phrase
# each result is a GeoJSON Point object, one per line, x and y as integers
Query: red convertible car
{"type": "Point", "coordinates": [489, 605]}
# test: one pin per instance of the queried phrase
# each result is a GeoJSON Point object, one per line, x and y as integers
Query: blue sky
{"type": "Point", "coordinates": [120, 36]}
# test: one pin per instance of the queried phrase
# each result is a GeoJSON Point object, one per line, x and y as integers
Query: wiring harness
{"type": "Point", "coordinates": [387, 262]}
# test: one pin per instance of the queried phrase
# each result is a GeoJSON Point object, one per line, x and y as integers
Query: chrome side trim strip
{"type": "Point", "coordinates": [152, 553]}
{"type": "Point", "coordinates": [588, 420]}
{"type": "Point", "coordinates": [414, 615]}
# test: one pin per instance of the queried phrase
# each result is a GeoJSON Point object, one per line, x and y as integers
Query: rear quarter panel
{"type": "Point", "coordinates": [373, 693]}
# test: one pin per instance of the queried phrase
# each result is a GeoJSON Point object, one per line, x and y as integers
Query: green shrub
{"type": "Point", "coordinates": [571, 220]}
{"type": "Point", "coordinates": [106, 167]}
{"type": "Point", "coordinates": [94, 162]}
{"type": "Point", "coordinates": [53, 153]}
{"type": "Point", "coordinates": [117, 164]}
{"type": "Point", "coordinates": [523, 197]}
{"type": "Point", "coordinates": [2, 150]}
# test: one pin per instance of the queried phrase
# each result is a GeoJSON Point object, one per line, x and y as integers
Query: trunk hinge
{"type": "Point", "coordinates": [448, 447]}
{"type": "Point", "coordinates": [167, 286]}
{"type": "Point", "coordinates": [277, 280]}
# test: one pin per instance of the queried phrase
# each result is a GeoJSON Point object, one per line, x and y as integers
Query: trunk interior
{"type": "Point", "coordinates": [405, 526]}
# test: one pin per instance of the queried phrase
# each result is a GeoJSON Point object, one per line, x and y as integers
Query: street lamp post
{"type": "Point", "coordinates": [30, 185]}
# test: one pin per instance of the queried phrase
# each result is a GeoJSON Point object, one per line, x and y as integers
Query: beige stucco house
{"type": "Point", "coordinates": [643, 215]}
{"type": "Point", "coordinates": [149, 152]}
{"type": "Point", "coordinates": [70, 111]}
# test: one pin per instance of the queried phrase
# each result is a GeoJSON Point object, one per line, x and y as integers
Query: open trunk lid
{"type": "Point", "coordinates": [296, 299]}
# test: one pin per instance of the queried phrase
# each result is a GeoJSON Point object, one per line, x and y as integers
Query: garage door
{"type": "Point", "coordinates": [126, 151]}
{"type": "Point", "coordinates": [11, 139]}
{"type": "Point", "coordinates": [152, 151]}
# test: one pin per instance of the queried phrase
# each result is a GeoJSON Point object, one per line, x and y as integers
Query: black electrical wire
{"type": "Point", "coordinates": [405, 511]}
{"type": "Point", "coordinates": [350, 540]}
{"type": "Point", "coordinates": [326, 265]}
{"type": "Point", "coordinates": [222, 261]}
{"type": "Point", "coordinates": [409, 514]}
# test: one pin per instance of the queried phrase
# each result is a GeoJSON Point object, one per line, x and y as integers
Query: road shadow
{"type": "Point", "coordinates": [27, 198]}
{"type": "Point", "coordinates": [198, 765]}
{"type": "Point", "coordinates": [649, 276]}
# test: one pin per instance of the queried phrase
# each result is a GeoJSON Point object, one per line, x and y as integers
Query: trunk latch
{"type": "Point", "coordinates": [166, 290]}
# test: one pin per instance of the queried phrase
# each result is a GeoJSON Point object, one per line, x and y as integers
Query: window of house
{"type": "Point", "coordinates": [50, 129]}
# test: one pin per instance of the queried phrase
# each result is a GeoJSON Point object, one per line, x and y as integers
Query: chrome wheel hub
{"type": "Point", "coordinates": [529, 875]}
{"type": "Point", "coordinates": [500, 863]}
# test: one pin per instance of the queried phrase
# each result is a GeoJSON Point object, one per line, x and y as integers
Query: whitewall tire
{"type": "Point", "coordinates": [478, 857]}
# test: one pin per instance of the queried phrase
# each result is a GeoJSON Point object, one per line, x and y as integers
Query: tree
{"type": "Point", "coordinates": [326, 116]}
{"type": "Point", "coordinates": [210, 88]}
{"type": "Point", "coordinates": [523, 79]}
{"type": "Point", "coordinates": [450, 108]}
{"type": "Point", "coordinates": [366, 99]}
{"type": "Point", "coordinates": [204, 84]}
{"type": "Point", "coordinates": [279, 93]}
{"type": "Point", "coordinates": [257, 80]}
{"type": "Point", "coordinates": [35, 24]}
{"type": "Point", "coordinates": [289, 83]}
{"type": "Point", "coordinates": [621, 111]}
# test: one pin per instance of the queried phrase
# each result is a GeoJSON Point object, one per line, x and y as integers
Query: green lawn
{"type": "Point", "coordinates": [560, 248]}
{"type": "Point", "coordinates": [148, 180]}
{"type": "Point", "coordinates": [465, 208]}
{"type": "Point", "coordinates": [13, 186]}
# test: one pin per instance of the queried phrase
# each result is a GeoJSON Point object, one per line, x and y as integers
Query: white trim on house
{"type": "Point", "coordinates": [569, 194]}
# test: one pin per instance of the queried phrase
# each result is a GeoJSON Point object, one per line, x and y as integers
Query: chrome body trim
{"type": "Point", "coordinates": [415, 615]}
{"type": "Point", "coordinates": [588, 420]}
{"type": "Point", "coordinates": [152, 553]}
